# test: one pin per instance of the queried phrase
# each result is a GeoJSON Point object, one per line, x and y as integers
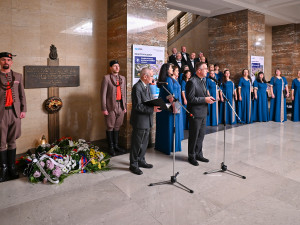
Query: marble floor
{"type": "Point", "coordinates": [268, 154]}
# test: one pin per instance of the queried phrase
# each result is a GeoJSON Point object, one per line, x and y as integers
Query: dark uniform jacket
{"type": "Point", "coordinates": [18, 93]}
{"type": "Point", "coordinates": [108, 93]}
{"type": "Point", "coordinates": [195, 93]}
{"type": "Point", "coordinates": [141, 115]}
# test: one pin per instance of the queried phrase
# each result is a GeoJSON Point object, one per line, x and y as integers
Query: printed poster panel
{"type": "Point", "coordinates": [147, 56]}
{"type": "Point", "coordinates": [257, 65]}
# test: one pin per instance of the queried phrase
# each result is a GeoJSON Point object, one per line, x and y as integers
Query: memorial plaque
{"type": "Point", "coordinates": [51, 76]}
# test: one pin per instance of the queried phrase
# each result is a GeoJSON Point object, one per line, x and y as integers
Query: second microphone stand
{"type": "Point", "coordinates": [173, 179]}
{"type": "Point", "coordinates": [223, 165]}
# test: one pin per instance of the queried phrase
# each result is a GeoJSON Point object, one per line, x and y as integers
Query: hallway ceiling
{"type": "Point", "coordinates": [277, 12]}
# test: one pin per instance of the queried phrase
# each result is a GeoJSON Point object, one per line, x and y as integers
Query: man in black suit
{"type": "Point", "coordinates": [141, 120]}
{"type": "Point", "coordinates": [201, 58]}
{"type": "Point", "coordinates": [185, 56]}
{"type": "Point", "coordinates": [179, 62]}
{"type": "Point", "coordinates": [172, 57]}
{"type": "Point", "coordinates": [197, 100]}
{"type": "Point", "coordinates": [192, 63]}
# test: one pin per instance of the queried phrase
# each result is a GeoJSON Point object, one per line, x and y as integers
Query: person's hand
{"type": "Point", "coordinates": [240, 98]}
{"type": "Point", "coordinates": [185, 102]}
{"type": "Point", "coordinates": [157, 109]}
{"type": "Point", "coordinates": [22, 115]}
{"type": "Point", "coordinates": [171, 99]}
{"type": "Point", "coordinates": [293, 98]}
{"type": "Point", "coordinates": [125, 110]}
{"type": "Point", "coordinates": [105, 113]}
{"type": "Point", "coordinates": [210, 100]}
{"type": "Point", "coordinates": [273, 96]}
{"type": "Point", "coordinates": [255, 96]}
{"type": "Point", "coordinates": [222, 100]}
{"type": "Point", "coordinates": [287, 94]}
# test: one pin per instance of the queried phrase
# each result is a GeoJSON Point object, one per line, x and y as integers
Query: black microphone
{"type": "Point", "coordinates": [214, 79]}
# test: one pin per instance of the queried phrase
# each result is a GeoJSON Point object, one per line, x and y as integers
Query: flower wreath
{"type": "Point", "coordinates": [53, 104]}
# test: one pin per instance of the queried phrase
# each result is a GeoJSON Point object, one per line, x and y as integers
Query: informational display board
{"type": "Point", "coordinates": [257, 65]}
{"type": "Point", "coordinates": [147, 56]}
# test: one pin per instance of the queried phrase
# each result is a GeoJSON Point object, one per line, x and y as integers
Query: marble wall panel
{"type": "Point", "coordinates": [233, 39]}
{"type": "Point", "coordinates": [122, 34]}
{"type": "Point", "coordinates": [153, 35]}
{"type": "Point", "coordinates": [228, 42]}
{"type": "Point", "coordinates": [195, 40]}
{"type": "Point", "coordinates": [285, 48]}
{"type": "Point", "coordinates": [268, 53]}
{"type": "Point", "coordinates": [30, 27]}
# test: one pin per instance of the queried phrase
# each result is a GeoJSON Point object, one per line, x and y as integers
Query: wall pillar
{"type": "Point", "coordinates": [141, 22]}
{"type": "Point", "coordinates": [233, 38]}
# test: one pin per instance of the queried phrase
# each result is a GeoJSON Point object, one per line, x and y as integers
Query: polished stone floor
{"type": "Point", "coordinates": [268, 154]}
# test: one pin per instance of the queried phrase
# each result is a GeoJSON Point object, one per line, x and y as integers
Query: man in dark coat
{"type": "Point", "coordinates": [197, 100]}
{"type": "Point", "coordinates": [141, 120]}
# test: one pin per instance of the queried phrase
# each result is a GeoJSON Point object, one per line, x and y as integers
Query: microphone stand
{"type": "Point", "coordinates": [173, 179]}
{"type": "Point", "coordinates": [223, 165]}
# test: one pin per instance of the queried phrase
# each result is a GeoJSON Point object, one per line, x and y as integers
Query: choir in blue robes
{"type": "Point", "coordinates": [260, 110]}
{"type": "Point", "coordinates": [213, 109]}
{"type": "Point", "coordinates": [296, 102]}
{"type": "Point", "coordinates": [278, 104]}
{"type": "Point", "coordinates": [228, 90]}
{"type": "Point", "coordinates": [185, 120]}
{"type": "Point", "coordinates": [165, 121]}
{"type": "Point", "coordinates": [244, 106]}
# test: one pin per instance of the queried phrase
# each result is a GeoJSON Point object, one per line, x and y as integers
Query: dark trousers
{"type": "Point", "coordinates": [139, 143]}
{"type": "Point", "coordinates": [197, 131]}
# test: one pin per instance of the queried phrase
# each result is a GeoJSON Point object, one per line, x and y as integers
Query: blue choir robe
{"type": "Point", "coordinates": [213, 109]}
{"type": "Point", "coordinates": [278, 104]}
{"type": "Point", "coordinates": [219, 76]}
{"type": "Point", "coordinates": [260, 110]}
{"type": "Point", "coordinates": [165, 121]}
{"type": "Point", "coordinates": [185, 120]}
{"type": "Point", "coordinates": [296, 102]}
{"type": "Point", "coordinates": [228, 90]}
{"type": "Point", "coordinates": [244, 106]}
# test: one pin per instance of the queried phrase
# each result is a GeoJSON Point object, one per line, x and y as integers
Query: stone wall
{"type": "Point", "coordinates": [286, 50]}
{"type": "Point", "coordinates": [28, 28]}
{"type": "Point", "coordinates": [125, 28]}
{"type": "Point", "coordinates": [195, 40]}
{"type": "Point", "coordinates": [233, 38]}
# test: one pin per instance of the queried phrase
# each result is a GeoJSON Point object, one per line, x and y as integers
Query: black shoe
{"type": "Point", "coordinates": [135, 170]}
{"type": "Point", "coordinates": [111, 152]}
{"type": "Point", "coordinates": [145, 165]}
{"type": "Point", "coordinates": [118, 149]}
{"type": "Point", "coordinates": [202, 159]}
{"type": "Point", "coordinates": [193, 162]}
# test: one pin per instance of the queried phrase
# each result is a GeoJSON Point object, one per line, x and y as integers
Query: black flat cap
{"type": "Point", "coordinates": [6, 54]}
{"type": "Point", "coordinates": [112, 62]}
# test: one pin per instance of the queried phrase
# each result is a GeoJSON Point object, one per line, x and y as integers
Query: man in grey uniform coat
{"type": "Point", "coordinates": [141, 120]}
{"type": "Point", "coordinates": [12, 110]}
{"type": "Point", "coordinates": [197, 100]}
